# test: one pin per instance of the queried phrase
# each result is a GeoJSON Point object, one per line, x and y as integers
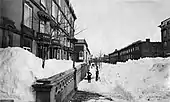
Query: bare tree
{"type": "Point", "coordinates": [36, 20]}
{"type": "Point", "coordinates": [77, 31]}
{"type": "Point", "coordinates": [60, 23]}
{"type": "Point", "coordinates": [100, 59]}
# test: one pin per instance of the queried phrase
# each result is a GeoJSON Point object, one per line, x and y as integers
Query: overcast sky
{"type": "Point", "coordinates": [113, 24]}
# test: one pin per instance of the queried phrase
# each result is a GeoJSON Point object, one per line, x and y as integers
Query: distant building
{"type": "Point", "coordinates": [82, 51]}
{"type": "Point", "coordinates": [136, 50]}
{"type": "Point", "coordinates": [105, 58]}
{"type": "Point", "coordinates": [30, 23]}
{"type": "Point", "coordinates": [114, 57]}
{"type": "Point", "coordinates": [165, 36]}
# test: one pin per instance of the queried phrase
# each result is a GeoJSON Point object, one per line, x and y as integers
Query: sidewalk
{"type": "Point", "coordinates": [83, 96]}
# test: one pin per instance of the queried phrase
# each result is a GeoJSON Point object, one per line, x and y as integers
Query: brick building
{"type": "Point", "coordinates": [105, 58]}
{"type": "Point", "coordinates": [82, 51]}
{"type": "Point", "coordinates": [136, 50]}
{"type": "Point", "coordinates": [38, 25]}
{"type": "Point", "coordinates": [114, 57]}
{"type": "Point", "coordinates": [165, 36]}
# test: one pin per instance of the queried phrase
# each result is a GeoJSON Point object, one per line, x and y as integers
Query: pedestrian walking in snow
{"type": "Point", "coordinates": [89, 76]}
{"type": "Point", "coordinates": [97, 73]}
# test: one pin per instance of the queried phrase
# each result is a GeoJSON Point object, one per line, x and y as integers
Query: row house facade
{"type": "Point", "coordinates": [82, 51]}
{"type": "Point", "coordinates": [39, 26]}
{"type": "Point", "coordinates": [114, 57]}
{"type": "Point", "coordinates": [137, 50]}
{"type": "Point", "coordinates": [165, 36]}
{"type": "Point", "coordinates": [105, 58]}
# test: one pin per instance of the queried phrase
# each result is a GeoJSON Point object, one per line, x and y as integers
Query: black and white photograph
{"type": "Point", "coordinates": [84, 50]}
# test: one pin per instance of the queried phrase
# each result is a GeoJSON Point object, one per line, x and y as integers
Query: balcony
{"type": "Point", "coordinates": [56, 43]}
{"type": "Point", "coordinates": [43, 15]}
{"type": "Point", "coordinates": [43, 37]}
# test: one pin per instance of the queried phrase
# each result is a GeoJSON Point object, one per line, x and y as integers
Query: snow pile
{"type": "Point", "coordinates": [138, 81]}
{"type": "Point", "coordinates": [17, 73]}
{"type": "Point", "coordinates": [19, 69]}
{"type": "Point", "coordinates": [53, 66]}
{"type": "Point", "coordinates": [79, 63]}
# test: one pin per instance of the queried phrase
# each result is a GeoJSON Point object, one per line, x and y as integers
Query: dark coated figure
{"type": "Point", "coordinates": [97, 73]}
{"type": "Point", "coordinates": [89, 76]}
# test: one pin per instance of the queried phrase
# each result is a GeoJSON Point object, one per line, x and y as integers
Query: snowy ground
{"type": "Point", "coordinates": [145, 80]}
{"type": "Point", "coordinates": [19, 69]}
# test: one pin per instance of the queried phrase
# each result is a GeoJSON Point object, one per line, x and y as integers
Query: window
{"type": "Point", "coordinates": [165, 44]}
{"type": "Point", "coordinates": [68, 44]}
{"type": "Point", "coordinates": [81, 55]}
{"type": "Point", "coordinates": [65, 24]}
{"type": "Point", "coordinates": [27, 44]}
{"type": "Point", "coordinates": [59, 16]}
{"type": "Point", "coordinates": [137, 48]}
{"type": "Point", "coordinates": [42, 27]}
{"type": "Point", "coordinates": [71, 45]}
{"type": "Point", "coordinates": [59, 2]}
{"type": "Point", "coordinates": [62, 57]}
{"type": "Point", "coordinates": [55, 35]}
{"type": "Point", "coordinates": [65, 41]}
{"type": "Point", "coordinates": [69, 30]}
{"type": "Point", "coordinates": [168, 31]}
{"type": "Point", "coordinates": [7, 38]}
{"type": "Point", "coordinates": [43, 3]}
{"type": "Point", "coordinates": [58, 54]}
{"type": "Point", "coordinates": [68, 56]}
{"type": "Point", "coordinates": [27, 15]}
{"type": "Point", "coordinates": [54, 10]}
{"type": "Point", "coordinates": [62, 41]}
{"type": "Point", "coordinates": [65, 55]}
{"type": "Point", "coordinates": [55, 53]}
{"type": "Point", "coordinates": [164, 33]}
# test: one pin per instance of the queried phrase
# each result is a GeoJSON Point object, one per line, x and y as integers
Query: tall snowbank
{"type": "Point", "coordinates": [53, 66]}
{"type": "Point", "coordinates": [19, 69]}
{"type": "Point", "coordinates": [134, 81]}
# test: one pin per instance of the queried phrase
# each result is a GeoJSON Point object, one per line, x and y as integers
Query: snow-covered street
{"type": "Point", "coordinates": [144, 80]}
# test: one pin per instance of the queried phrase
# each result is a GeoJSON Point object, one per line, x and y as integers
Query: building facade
{"type": "Point", "coordinates": [137, 50]}
{"type": "Point", "coordinates": [82, 51]}
{"type": "Point", "coordinates": [44, 27]}
{"type": "Point", "coordinates": [105, 58]}
{"type": "Point", "coordinates": [114, 57]}
{"type": "Point", "coordinates": [165, 36]}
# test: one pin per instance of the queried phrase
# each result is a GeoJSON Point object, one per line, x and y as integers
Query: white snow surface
{"type": "Point", "coordinates": [19, 69]}
{"type": "Point", "coordinates": [143, 80]}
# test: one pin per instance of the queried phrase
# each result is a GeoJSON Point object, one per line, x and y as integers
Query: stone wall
{"type": "Point", "coordinates": [60, 87]}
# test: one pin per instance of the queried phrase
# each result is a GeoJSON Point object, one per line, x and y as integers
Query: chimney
{"type": "Point", "coordinates": [147, 40]}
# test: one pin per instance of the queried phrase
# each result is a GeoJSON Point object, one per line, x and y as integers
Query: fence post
{"type": "Point", "coordinates": [42, 92]}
